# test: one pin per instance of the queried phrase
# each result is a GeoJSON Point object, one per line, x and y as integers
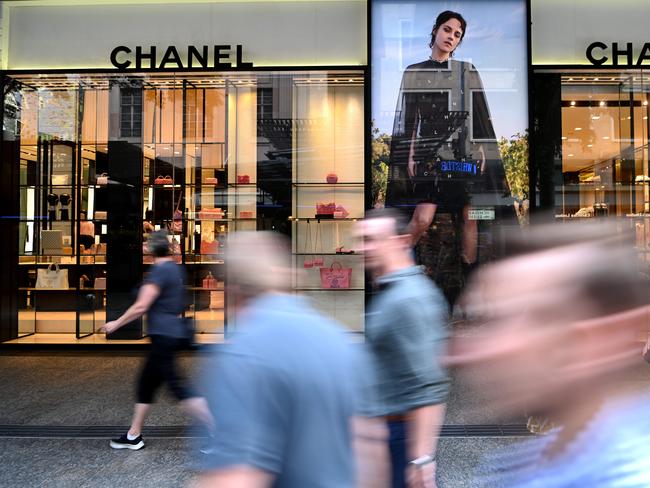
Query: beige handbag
{"type": "Point", "coordinates": [52, 277]}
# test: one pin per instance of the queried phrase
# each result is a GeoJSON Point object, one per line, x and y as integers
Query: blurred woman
{"type": "Point", "coordinates": [162, 297]}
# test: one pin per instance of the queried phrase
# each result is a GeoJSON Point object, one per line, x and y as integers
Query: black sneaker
{"type": "Point", "coordinates": [124, 443]}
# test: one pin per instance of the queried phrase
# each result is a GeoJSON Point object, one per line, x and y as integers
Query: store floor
{"type": "Point", "coordinates": [42, 338]}
{"type": "Point", "coordinates": [58, 389]}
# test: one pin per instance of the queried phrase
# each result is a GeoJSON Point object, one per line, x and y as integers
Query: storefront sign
{"type": "Point", "coordinates": [590, 33]}
{"type": "Point", "coordinates": [274, 33]}
{"type": "Point", "coordinates": [599, 53]}
{"type": "Point", "coordinates": [481, 214]}
{"type": "Point", "coordinates": [219, 57]}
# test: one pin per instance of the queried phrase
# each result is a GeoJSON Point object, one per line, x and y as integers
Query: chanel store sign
{"type": "Point", "coordinates": [149, 57]}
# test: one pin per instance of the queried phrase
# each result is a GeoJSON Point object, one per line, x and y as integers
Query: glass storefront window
{"type": "Point", "coordinates": [105, 159]}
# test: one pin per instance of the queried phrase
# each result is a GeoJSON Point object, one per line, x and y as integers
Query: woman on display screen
{"type": "Point", "coordinates": [438, 163]}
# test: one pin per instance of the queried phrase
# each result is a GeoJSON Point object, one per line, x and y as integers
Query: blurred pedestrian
{"type": "Point", "coordinates": [162, 297]}
{"type": "Point", "coordinates": [406, 330]}
{"type": "Point", "coordinates": [560, 322]}
{"type": "Point", "coordinates": [283, 391]}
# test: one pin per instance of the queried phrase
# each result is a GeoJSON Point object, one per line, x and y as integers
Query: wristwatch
{"type": "Point", "coordinates": [423, 461]}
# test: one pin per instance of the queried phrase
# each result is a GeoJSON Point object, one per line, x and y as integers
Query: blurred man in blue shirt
{"type": "Point", "coordinates": [284, 391]}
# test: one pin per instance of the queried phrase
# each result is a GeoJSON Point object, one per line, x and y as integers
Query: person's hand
{"type": "Point", "coordinates": [421, 476]}
{"type": "Point", "coordinates": [410, 169]}
{"type": "Point", "coordinates": [109, 327]}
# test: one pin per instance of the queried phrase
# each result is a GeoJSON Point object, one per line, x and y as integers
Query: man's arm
{"type": "Point", "coordinates": [423, 428]}
{"type": "Point", "coordinates": [236, 477]}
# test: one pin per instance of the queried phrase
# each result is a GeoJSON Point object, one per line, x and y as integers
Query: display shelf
{"type": "Point", "coordinates": [322, 220]}
{"type": "Point", "coordinates": [62, 264]}
{"type": "Point", "coordinates": [200, 288]}
{"type": "Point", "coordinates": [327, 254]}
{"type": "Point", "coordinates": [28, 288]}
{"type": "Point", "coordinates": [327, 289]}
{"type": "Point", "coordinates": [325, 184]}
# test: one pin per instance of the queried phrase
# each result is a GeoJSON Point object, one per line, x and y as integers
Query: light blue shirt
{"type": "Point", "coordinates": [613, 451]}
{"type": "Point", "coordinates": [283, 393]}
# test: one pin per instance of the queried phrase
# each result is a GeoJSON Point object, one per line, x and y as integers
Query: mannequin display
{"type": "Point", "coordinates": [65, 200]}
{"type": "Point", "coordinates": [86, 232]}
{"type": "Point", "coordinates": [52, 202]}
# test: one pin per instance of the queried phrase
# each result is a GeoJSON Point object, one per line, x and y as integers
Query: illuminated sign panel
{"type": "Point", "coordinates": [82, 35]}
{"type": "Point", "coordinates": [590, 33]}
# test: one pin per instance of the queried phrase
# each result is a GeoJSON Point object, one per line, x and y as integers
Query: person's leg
{"type": "Point", "coordinates": [469, 250]}
{"type": "Point", "coordinates": [423, 216]}
{"type": "Point", "coordinates": [149, 381]}
{"type": "Point", "coordinates": [190, 401]}
{"type": "Point", "coordinates": [140, 412]}
{"type": "Point", "coordinates": [397, 447]}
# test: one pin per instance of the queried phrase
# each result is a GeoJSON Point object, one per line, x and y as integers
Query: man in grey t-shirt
{"type": "Point", "coordinates": [283, 392]}
{"type": "Point", "coordinates": [406, 334]}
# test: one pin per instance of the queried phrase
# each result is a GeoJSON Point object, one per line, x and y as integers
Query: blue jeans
{"type": "Point", "coordinates": [397, 446]}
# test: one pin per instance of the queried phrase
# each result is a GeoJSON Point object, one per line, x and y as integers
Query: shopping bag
{"type": "Point", "coordinates": [335, 277]}
{"type": "Point", "coordinates": [177, 222]}
{"type": "Point", "coordinates": [52, 277]}
{"type": "Point", "coordinates": [308, 260]}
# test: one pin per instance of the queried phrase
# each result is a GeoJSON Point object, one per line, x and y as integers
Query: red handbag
{"type": "Point", "coordinates": [210, 247]}
{"type": "Point", "coordinates": [210, 282]}
{"type": "Point", "coordinates": [210, 214]}
{"type": "Point", "coordinates": [243, 179]}
{"type": "Point", "coordinates": [245, 214]}
{"type": "Point", "coordinates": [332, 178]}
{"type": "Point", "coordinates": [331, 278]}
{"type": "Point", "coordinates": [164, 180]}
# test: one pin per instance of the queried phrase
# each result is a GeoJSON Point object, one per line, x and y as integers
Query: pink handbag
{"type": "Point", "coordinates": [325, 208]}
{"type": "Point", "coordinates": [318, 246]}
{"type": "Point", "coordinates": [308, 259]}
{"type": "Point", "coordinates": [177, 222]}
{"type": "Point", "coordinates": [332, 178]}
{"type": "Point", "coordinates": [340, 212]}
{"type": "Point", "coordinates": [331, 278]}
{"type": "Point", "coordinates": [243, 179]}
{"type": "Point", "coordinates": [211, 181]}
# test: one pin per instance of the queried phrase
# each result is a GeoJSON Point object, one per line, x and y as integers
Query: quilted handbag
{"type": "Point", "coordinates": [335, 277]}
{"type": "Point", "coordinates": [102, 179]}
{"type": "Point", "coordinates": [212, 181]}
{"type": "Point", "coordinates": [243, 179]}
{"type": "Point", "coordinates": [325, 208]}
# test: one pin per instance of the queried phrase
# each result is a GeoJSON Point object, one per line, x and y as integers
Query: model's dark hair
{"type": "Point", "coordinates": [158, 243]}
{"type": "Point", "coordinates": [444, 17]}
{"type": "Point", "coordinates": [401, 221]}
